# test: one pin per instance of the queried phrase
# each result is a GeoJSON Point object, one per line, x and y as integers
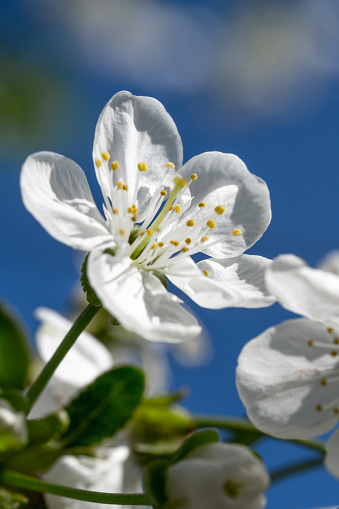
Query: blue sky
{"type": "Point", "coordinates": [260, 82]}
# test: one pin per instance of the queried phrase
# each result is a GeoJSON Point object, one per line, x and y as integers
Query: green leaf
{"type": "Point", "coordinates": [14, 357]}
{"type": "Point", "coordinates": [155, 483]}
{"type": "Point", "coordinates": [17, 399]}
{"type": "Point", "coordinates": [105, 406]}
{"type": "Point", "coordinates": [90, 293]}
{"type": "Point", "coordinates": [9, 500]}
{"type": "Point", "coordinates": [197, 439]}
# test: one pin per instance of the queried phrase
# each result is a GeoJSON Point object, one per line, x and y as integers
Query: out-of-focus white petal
{"type": "Point", "coordinates": [287, 378]}
{"type": "Point", "coordinates": [136, 129]}
{"type": "Point", "coordinates": [56, 192]}
{"type": "Point", "coordinates": [138, 300]}
{"type": "Point", "coordinates": [218, 475]}
{"type": "Point", "coordinates": [113, 471]}
{"type": "Point", "coordinates": [331, 262]}
{"type": "Point", "coordinates": [234, 282]}
{"type": "Point", "coordinates": [331, 460]}
{"type": "Point", "coordinates": [86, 360]}
{"type": "Point", "coordinates": [309, 292]}
{"type": "Point", "coordinates": [223, 179]}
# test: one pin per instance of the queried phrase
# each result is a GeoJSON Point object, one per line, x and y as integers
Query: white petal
{"type": "Point", "coordinates": [86, 360]}
{"type": "Point", "coordinates": [136, 129]}
{"type": "Point", "coordinates": [331, 262]}
{"type": "Point", "coordinates": [55, 190]}
{"type": "Point", "coordinates": [223, 179]}
{"type": "Point", "coordinates": [331, 461]}
{"type": "Point", "coordinates": [235, 282]}
{"type": "Point", "coordinates": [280, 380]}
{"type": "Point", "coordinates": [138, 300]}
{"type": "Point", "coordinates": [309, 292]}
{"type": "Point", "coordinates": [114, 472]}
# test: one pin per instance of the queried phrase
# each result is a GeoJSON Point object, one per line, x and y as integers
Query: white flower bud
{"type": "Point", "coordinates": [218, 475]}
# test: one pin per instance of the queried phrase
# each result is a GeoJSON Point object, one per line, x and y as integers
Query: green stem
{"type": "Point", "coordinates": [26, 482]}
{"type": "Point", "coordinates": [77, 328]}
{"type": "Point", "coordinates": [244, 425]}
{"type": "Point", "coordinates": [279, 474]}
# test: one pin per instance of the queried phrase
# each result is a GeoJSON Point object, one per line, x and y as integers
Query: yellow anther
{"type": "Point", "coordinates": [130, 210]}
{"type": "Point", "coordinates": [336, 341]}
{"type": "Point", "coordinates": [163, 192]}
{"type": "Point", "coordinates": [115, 211]}
{"type": "Point", "coordinates": [122, 232]}
{"type": "Point", "coordinates": [158, 229]}
{"type": "Point", "coordinates": [206, 272]}
{"type": "Point", "coordinates": [154, 246]}
{"type": "Point", "coordinates": [211, 223]}
{"type": "Point", "coordinates": [174, 242]}
{"type": "Point", "coordinates": [141, 234]}
{"type": "Point", "coordinates": [204, 239]}
{"type": "Point", "coordinates": [190, 222]}
{"type": "Point", "coordinates": [170, 165]}
{"type": "Point", "coordinates": [105, 155]}
{"type": "Point", "coordinates": [310, 342]}
{"type": "Point", "coordinates": [149, 232]}
{"type": "Point", "coordinates": [184, 249]}
{"type": "Point", "coordinates": [125, 187]}
{"type": "Point", "coordinates": [236, 231]}
{"type": "Point", "coordinates": [334, 353]}
{"type": "Point", "coordinates": [120, 184]}
{"type": "Point", "coordinates": [336, 410]}
{"type": "Point", "coordinates": [134, 218]}
{"type": "Point", "coordinates": [180, 181]}
{"type": "Point", "coordinates": [142, 167]}
{"type": "Point", "coordinates": [178, 209]}
{"type": "Point", "coordinates": [171, 207]}
{"type": "Point", "coordinates": [201, 204]}
{"type": "Point", "coordinates": [194, 176]}
{"type": "Point", "coordinates": [98, 163]}
{"type": "Point", "coordinates": [219, 210]}
{"type": "Point", "coordinates": [188, 241]}
{"type": "Point", "coordinates": [161, 244]}
{"type": "Point", "coordinates": [330, 329]}
{"type": "Point", "coordinates": [323, 381]}
{"type": "Point", "coordinates": [319, 408]}
{"type": "Point", "coordinates": [114, 165]}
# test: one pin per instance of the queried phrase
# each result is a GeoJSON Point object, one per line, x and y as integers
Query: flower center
{"type": "Point", "coordinates": [165, 229]}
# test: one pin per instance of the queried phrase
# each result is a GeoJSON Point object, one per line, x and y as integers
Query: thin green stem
{"type": "Point", "coordinates": [279, 474]}
{"type": "Point", "coordinates": [244, 425]}
{"type": "Point", "coordinates": [30, 483]}
{"type": "Point", "coordinates": [77, 328]}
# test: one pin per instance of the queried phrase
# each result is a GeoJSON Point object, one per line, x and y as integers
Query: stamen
{"type": "Point", "coordinates": [188, 241]}
{"type": "Point", "coordinates": [174, 242]}
{"type": "Point", "coordinates": [114, 165]}
{"type": "Point", "coordinates": [122, 232]}
{"type": "Point", "coordinates": [201, 204]}
{"type": "Point", "coordinates": [98, 163]}
{"type": "Point", "coordinates": [115, 211]}
{"type": "Point", "coordinates": [319, 408]}
{"type": "Point", "coordinates": [120, 184]}
{"type": "Point", "coordinates": [142, 167]}
{"type": "Point", "coordinates": [190, 222]}
{"type": "Point", "coordinates": [105, 155]}
{"type": "Point", "coordinates": [125, 187]}
{"type": "Point", "coordinates": [211, 223]}
{"type": "Point", "coordinates": [161, 244]}
{"type": "Point", "coordinates": [336, 341]}
{"type": "Point", "coordinates": [194, 176]}
{"type": "Point", "coordinates": [204, 239]}
{"type": "Point", "coordinates": [171, 207]}
{"type": "Point", "coordinates": [334, 353]}
{"type": "Point", "coordinates": [180, 181]}
{"type": "Point", "coordinates": [330, 329]}
{"type": "Point", "coordinates": [163, 192]}
{"type": "Point", "coordinates": [310, 342]}
{"type": "Point", "coordinates": [323, 381]}
{"type": "Point", "coordinates": [219, 210]}
{"type": "Point", "coordinates": [170, 165]}
{"type": "Point", "coordinates": [206, 272]}
{"type": "Point", "coordinates": [154, 246]}
{"type": "Point", "coordinates": [184, 249]}
{"type": "Point", "coordinates": [236, 231]}
{"type": "Point", "coordinates": [149, 232]}
{"type": "Point", "coordinates": [177, 209]}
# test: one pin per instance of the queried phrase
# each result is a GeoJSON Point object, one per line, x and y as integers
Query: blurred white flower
{"type": "Point", "coordinates": [13, 430]}
{"type": "Point", "coordinates": [220, 476]}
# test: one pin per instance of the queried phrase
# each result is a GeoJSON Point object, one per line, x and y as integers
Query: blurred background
{"type": "Point", "coordinates": [257, 79]}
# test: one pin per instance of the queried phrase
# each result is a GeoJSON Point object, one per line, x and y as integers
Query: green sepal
{"type": "Point", "coordinates": [51, 427]}
{"type": "Point", "coordinates": [114, 321]}
{"type": "Point", "coordinates": [197, 439]}
{"type": "Point", "coordinates": [89, 292]}
{"type": "Point", "coordinates": [105, 406]}
{"type": "Point", "coordinates": [36, 458]}
{"type": "Point", "coordinates": [134, 234]}
{"type": "Point", "coordinates": [16, 398]}
{"type": "Point", "coordinates": [166, 400]}
{"type": "Point", "coordinates": [161, 276]}
{"type": "Point", "coordinates": [155, 483]}
{"type": "Point", "coordinates": [10, 500]}
{"type": "Point", "coordinates": [14, 353]}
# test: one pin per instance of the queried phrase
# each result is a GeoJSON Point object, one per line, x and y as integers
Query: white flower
{"type": "Point", "coordinates": [87, 359]}
{"type": "Point", "coordinates": [112, 471]}
{"type": "Point", "coordinates": [218, 476]}
{"type": "Point", "coordinates": [153, 224]}
{"type": "Point", "coordinates": [288, 377]}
